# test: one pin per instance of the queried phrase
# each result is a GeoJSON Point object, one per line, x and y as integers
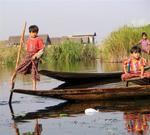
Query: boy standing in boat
{"type": "Point", "coordinates": [134, 66]}
{"type": "Point", "coordinates": [29, 65]}
{"type": "Point", "coordinates": [145, 43]}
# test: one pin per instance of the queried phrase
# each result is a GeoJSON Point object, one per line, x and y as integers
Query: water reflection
{"type": "Point", "coordinates": [15, 127]}
{"type": "Point", "coordinates": [109, 67]}
{"type": "Point", "coordinates": [137, 122]}
{"type": "Point", "coordinates": [88, 66]}
{"type": "Point", "coordinates": [37, 129]}
{"type": "Point", "coordinates": [136, 113]}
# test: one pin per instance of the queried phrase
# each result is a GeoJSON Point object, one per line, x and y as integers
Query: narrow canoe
{"type": "Point", "coordinates": [86, 94]}
{"type": "Point", "coordinates": [80, 77]}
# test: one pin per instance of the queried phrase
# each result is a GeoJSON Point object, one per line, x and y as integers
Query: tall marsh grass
{"type": "Point", "coordinates": [69, 52]}
{"type": "Point", "coordinates": [66, 52]}
{"type": "Point", "coordinates": [117, 45]}
{"type": "Point", "coordinates": [8, 55]}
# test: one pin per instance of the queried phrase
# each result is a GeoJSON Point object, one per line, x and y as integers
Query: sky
{"type": "Point", "coordinates": [69, 17]}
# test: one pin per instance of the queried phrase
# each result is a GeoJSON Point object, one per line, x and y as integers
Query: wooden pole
{"type": "Point", "coordinates": [10, 97]}
{"type": "Point", "coordinates": [18, 55]}
{"type": "Point", "coordinates": [21, 44]}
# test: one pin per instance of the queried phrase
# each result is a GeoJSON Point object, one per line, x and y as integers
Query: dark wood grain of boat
{"type": "Point", "coordinates": [86, 94]}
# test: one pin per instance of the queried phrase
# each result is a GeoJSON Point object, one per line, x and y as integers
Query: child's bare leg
{"type": "Point", "coordinates": [33, 84]}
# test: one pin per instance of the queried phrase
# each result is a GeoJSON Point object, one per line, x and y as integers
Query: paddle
{"type": "Point", "coordinates": [18, 56]}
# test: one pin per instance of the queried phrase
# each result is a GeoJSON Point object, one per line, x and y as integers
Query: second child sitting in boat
{"type": "Point", "coordinates": [134, 66]}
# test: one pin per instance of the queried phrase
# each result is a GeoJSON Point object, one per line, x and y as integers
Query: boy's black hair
{"type": "Point", "coordinates": [144, 34]}
{"type": "Point", "coordinates": [33, 28]}
{"type": "Point", "coordinates": [135, 49]}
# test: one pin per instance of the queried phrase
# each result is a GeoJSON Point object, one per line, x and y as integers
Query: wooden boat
{"type": "Point", "coordinates": [79, 77]}
{"type": "Point", "coordinates": [139, 81]}
{"type": "Point", "coordinates": [82, 77]}
{"type": "Point", "coordinates": [86, 94]}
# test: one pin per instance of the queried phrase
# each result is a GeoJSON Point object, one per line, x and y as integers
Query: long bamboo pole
{"type": "Point", "coordinates": [21, 44]}
{"type": "Point", "coordinates": [18, 55]}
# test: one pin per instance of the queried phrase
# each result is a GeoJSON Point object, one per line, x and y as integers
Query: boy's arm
{"type": "Point", "coordinates": [38, 54]}
{"type": "Point", "coordinates": [125, 69]}
{"type": "Point", "coordinates": [142, 71]}
{"type": "Point", "coordinates": [143, 64]}
{"type": "Point", "coordinates": [124, 65]}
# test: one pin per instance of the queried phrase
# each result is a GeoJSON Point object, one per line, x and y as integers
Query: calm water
{"type": "Point", "coordinates": [49, 116]}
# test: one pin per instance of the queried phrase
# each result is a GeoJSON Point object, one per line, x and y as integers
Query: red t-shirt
{"type": "Point", "coordinates": [33, 45]}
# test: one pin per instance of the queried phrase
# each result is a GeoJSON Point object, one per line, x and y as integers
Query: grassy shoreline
{"type": "Point", "coordinates": [67, 52]}
{"type": "Point", "coordinates": [117, 45]}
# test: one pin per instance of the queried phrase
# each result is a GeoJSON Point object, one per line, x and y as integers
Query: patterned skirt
{"type": "Point", "coordinates": [29, 66]}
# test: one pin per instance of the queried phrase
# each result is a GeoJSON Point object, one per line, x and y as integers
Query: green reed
{"type": "Point", "coordinates": [117, 45]}
{"type": "Point", "coordinates": [66, 52]}
{"type": "Point", "coordinates": [69, 51]}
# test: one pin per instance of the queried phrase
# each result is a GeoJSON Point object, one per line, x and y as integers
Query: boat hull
{"type": "Point", "coordinates": [86, 94]}
{"type": "Point", "coordinates": [80, 77]}
{"type": "Point", "coordinates": [74, 77]}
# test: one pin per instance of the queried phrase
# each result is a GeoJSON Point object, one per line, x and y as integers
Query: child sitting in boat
{"type": "Point", "coordinates": [134, 66]}
{"type": "Point", "coordinates": [145, 43]}
{"type": "Point", "coordinates": [29, 65]}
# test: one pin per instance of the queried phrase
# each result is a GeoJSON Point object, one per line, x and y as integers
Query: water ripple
{"type": "Point", "coordinates": [16, 102]}
{"type": "Point", "coordinates": [3, 102]}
